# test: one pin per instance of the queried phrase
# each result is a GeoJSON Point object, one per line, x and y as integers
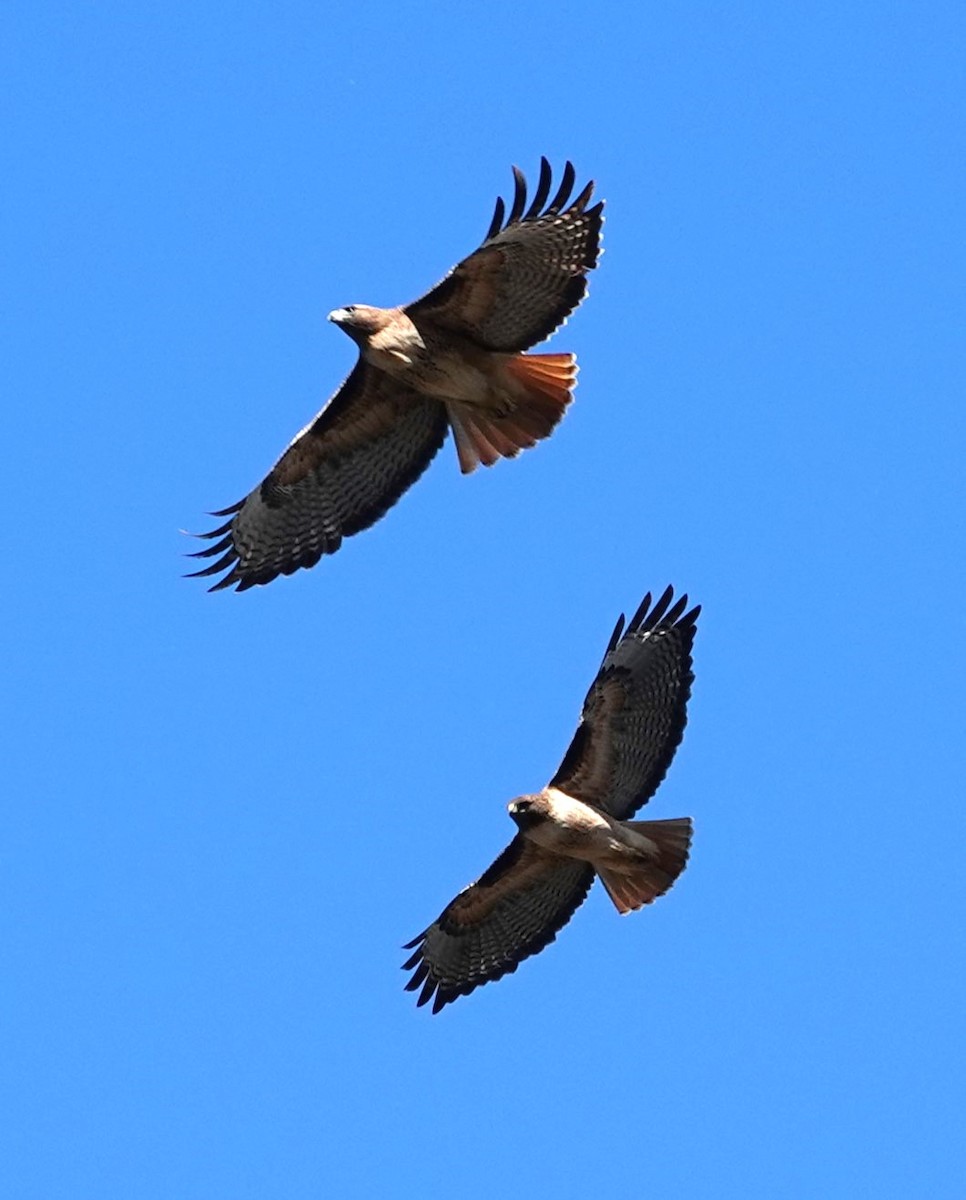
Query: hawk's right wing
{"type": "Point", "coordinates": [514, 909]}
{"type": "Point", "coordinates": [350, 465]}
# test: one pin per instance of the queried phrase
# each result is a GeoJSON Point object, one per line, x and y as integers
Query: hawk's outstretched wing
{"type": "Point", "coordinates": [350, 465]}
{"type": "Point", "coordinates": [529, 274]}
{"type": "Point", "coordinates": [635, 712]}
{"type": "Point", "coordinates": [513, 910]}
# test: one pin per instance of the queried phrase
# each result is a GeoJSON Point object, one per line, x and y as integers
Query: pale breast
{"type": "Point", "coordinates": [430, 363]}
{"type": "Point", "coordinates": [572, 828]}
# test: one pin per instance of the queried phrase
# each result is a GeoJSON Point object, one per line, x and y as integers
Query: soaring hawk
{"type": "Point", "coordinates": [577, 827]}
{"type": "Point", "coordinates": [452, 359]}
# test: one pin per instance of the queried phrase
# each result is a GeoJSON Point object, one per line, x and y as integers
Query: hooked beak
{"type": "Point", "coordinates": [520, 813]}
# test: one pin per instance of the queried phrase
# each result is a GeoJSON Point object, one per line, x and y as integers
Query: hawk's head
{"type": "Point", "coordinates": [359, 321]}
{"type": "Point", "coordinates": [527, 811]}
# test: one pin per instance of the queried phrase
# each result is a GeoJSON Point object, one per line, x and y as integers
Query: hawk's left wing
{"type": "Point", "coordinates": [635, 712]}
{"type": "Point", "coordinates": [528, 275]}
{"type": "Point", "coordinates": [514, 909]}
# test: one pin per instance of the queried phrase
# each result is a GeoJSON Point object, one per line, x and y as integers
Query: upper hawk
{"type": "Point", "coordinates": [452, 359]}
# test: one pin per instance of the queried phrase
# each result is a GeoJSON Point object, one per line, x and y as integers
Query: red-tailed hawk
{"type": "Point", "coordinates": [452, 359]}
{"type": "Point", "coordinates": [577, 827]}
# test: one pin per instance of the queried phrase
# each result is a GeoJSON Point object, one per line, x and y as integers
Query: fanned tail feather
{"type": "Point", "coordinates": [629, 890]}
{"type": "Point", "coordinates": [539, 389]}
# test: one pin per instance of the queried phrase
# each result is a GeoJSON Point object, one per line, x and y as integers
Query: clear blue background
{"type": "Point", "coordinates": [224, 814]}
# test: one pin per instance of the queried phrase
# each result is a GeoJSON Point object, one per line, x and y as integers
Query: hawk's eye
{"type": "Point", "coordinates": [349, 308]}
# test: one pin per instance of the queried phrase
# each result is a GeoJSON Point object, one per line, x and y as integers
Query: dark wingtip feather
{"type": "Point", "coordinates": [429, 987]}
{"type": "Point", "coordinates": [566, 187]}
{"type": "Point", "coordinates": [539, 207]}
{"type": "Point", "coordinates": [615, 637]}
{"type": "Point", "coordinates": [227, 582]}
{"type": "Point", "coordinates": [497, 223]}
{"type": "Point", "coordinates": [638, 617]}
{"type": "Point", "coordinates": [423, 981]}
{"type": "Point", "coordinates": [673, 614]}
{"type": "Point", "coordinates": [519, 196]}
{"type": "Point", "coordinates": [211, 551]}
{"type": "Point", "coordinates": [420, 971]}
{"type": "Point", "coordinates": [647, 619]}
{"type": "Point", "coordinates": [212, 533]}
{"type": "Point", "coordinates": [222, 564]}
{"type": "Point", "coordinates": [225, 547]}
{"type": "Point", "coordinates": [543, 190]}
{"type": "Point", "coordinates": [690, 619]}
{"type": "Point", "coordinates": [228, 512]}
{"type": "Point", "coordinates": [427, 984]}
{"type": "Point", "coordinates": [659, 609]}
{"type": "Point", "coordinates": [581, 202]}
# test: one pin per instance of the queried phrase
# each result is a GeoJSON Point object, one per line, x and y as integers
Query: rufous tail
{"type": "Point", "coordinates": [640, 885]}
{"type": "Point", "coordinates": [537, 391]}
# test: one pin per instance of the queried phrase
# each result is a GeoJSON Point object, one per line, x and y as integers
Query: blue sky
{"type": "Point", "coordinates": [225, 814]}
